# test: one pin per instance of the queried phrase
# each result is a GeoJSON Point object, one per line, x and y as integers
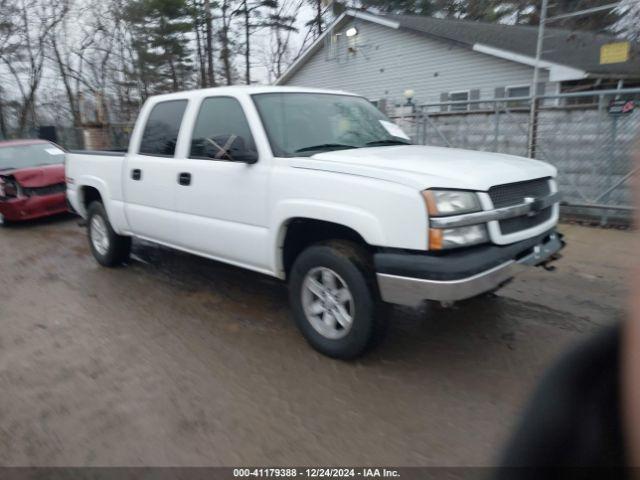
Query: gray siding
{"type": "Point", "coordinates": [388, 61]}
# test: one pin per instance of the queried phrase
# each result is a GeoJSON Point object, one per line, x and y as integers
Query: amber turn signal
{"type": "Point", "coordinates": [430, 201]}
{"type": "Point", "coordinates": [435, 239]}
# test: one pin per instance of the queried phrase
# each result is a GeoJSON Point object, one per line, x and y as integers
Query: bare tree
{"type": "Point", "coordinates": [9, 24]}
{"type": "Point", "coordinates": [282, 19]}
{"type": "Point", "coordinates": [200, 50]}
{"type": "Point", "coordinates": [69, 63]}
{"type": "Point", "coordinates": [629, 23]}
{"type": "Point", "coordinates": [25, 64]}
{"type": "Point", "coordinates": [209, 43]}
{"type": "Point", "coordinates": [252, 20]}
{"type": "Point", "coordinates": [226, 17]}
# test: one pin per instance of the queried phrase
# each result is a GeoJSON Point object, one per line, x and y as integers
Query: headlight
{"type": "Point", "coordinates": [450, 202]}
{"type": "Point", "coordinates": [8, 188]}
{"type": "Point", "coordinates": [445, 238]}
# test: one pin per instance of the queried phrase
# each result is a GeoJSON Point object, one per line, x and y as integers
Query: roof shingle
{"type": "Point", "coordinates": [578, 49]}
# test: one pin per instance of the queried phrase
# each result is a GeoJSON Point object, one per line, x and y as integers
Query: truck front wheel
{"type": "Point", "coordinates": [335, 300]}
{"type": "Point", "coordinates": [108, 248]}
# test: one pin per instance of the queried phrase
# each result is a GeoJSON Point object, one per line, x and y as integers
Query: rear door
{"type": "Point", "coordinates": [222, 208]}
{"type": "Point", "coordinates": [151, 174]}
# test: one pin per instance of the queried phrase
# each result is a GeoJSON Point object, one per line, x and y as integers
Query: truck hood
{"type": "Point", "coordinates": [35, 177]}
{"type": "Point", "coordinates": [429, 167]}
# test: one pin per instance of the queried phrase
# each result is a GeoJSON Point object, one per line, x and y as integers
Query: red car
{"type": "Point", "coordinates": [31, 180]}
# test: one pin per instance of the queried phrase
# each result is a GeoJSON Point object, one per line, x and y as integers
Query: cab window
{"type": "Point", "coordinates": [221, 130]}
{"type": "Point", "coordinates": [161, 131]}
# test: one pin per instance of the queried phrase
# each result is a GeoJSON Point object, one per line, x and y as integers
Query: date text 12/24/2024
{"type": "Point", "coordinates": [316, 472]}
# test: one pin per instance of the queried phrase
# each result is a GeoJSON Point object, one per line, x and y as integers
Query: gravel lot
{"type": "Point", "coordinates": [176, 360]}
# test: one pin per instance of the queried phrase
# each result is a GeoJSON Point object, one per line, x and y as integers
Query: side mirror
{"type": "Point", "coordinates": [230, 147]}
{"type": "Point", "coordinates": [246, 157]}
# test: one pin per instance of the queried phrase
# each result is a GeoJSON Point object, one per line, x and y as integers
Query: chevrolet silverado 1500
{"type": "Point", "coordinates": [320, 189]}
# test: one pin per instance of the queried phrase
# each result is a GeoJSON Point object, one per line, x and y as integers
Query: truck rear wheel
{"type": "Point", "coordinates": [108, 248]}
{"type": "Point", "coordinates": [335, 300]}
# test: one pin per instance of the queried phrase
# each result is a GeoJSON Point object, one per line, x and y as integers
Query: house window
{"type": "Point", "coordinates": [462, 96]}
{"type": "Point", "coordinates": [517, 92]}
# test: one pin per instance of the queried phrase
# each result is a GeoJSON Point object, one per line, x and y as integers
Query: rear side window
{"type": "Point", "coordinates": [161, 132]}
{"type": "Point", "coordinates": [221, 125]}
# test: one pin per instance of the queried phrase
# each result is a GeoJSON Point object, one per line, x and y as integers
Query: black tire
{"type": "Point", "coordinates": [118, 247]}
{"type": "Point", "coordinates": [354, 266]}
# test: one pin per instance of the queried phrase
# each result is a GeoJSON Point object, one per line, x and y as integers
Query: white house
{"type": "Point", "coordinates": [381, 57]}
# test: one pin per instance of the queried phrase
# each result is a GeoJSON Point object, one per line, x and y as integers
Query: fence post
{"type": "Point", "coordinates": [533, 120]}
{"type": "Point", "coordinates": [420, 138]}
{"type": "Point", "coordinates": [496, 122]}
{"type": "Point", "coordinates": [425, 119]}
{"type": "Point", "coordinates": [610, 160]}
{"type": "Point", "coordinates": [533, 128]}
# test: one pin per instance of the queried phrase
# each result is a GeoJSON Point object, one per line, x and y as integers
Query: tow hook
{"type": "Point", "coordinates": [547, 264]}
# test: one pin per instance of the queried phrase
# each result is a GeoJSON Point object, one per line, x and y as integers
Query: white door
{"type": "Point", "coordinates": [222, 201]}
{"type": "Point", "coordinates": [151, 175]}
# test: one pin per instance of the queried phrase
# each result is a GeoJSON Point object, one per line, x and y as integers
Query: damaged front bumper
{"type": "Point", "coordinates": [409, 279]}
{"type": "Point", "coordinates": [28, 208]}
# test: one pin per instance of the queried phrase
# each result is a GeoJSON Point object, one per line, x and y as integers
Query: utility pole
{"type": "Point", "coordinates": [533, 115]}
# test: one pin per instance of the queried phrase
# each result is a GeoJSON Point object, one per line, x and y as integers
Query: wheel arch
{"type": "Point", "coordinates": [297, 233]}
{"type": "Point", "coordinates": [91, 189]}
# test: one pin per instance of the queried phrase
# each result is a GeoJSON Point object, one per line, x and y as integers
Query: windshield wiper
{"type": "Point", "coordinates": [389, 141]}
{"type": "Point", "coordinates": [329, 146]}
{"type": "Point", "coordinates": [2, 169]}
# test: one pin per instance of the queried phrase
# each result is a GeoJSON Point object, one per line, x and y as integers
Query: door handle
{"type": "Point", "coordinates": [184, 178]}
{"type": "Point", "coordinates": [136, 174]}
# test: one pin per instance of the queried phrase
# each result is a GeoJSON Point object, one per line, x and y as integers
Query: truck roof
{"type": "Point", "coordinates": [247, 90]}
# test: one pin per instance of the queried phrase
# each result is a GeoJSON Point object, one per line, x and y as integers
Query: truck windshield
{"type": "Point", "coordinates": [13, 157]}
{"type": "Point", "coordinates": [303, 124]}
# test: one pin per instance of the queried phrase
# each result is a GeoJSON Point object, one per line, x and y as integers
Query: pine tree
{"type": "Point", "coordinates": [158, 31]}
{"type": "Point", "coordinates": [527, 12]}
{"type": "Point", "coordinates": [523, 12]}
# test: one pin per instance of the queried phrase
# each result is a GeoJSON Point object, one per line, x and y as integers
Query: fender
{"type": "Point", "coordinates": [115, 209]}
{"type": "Point", "coordinates": [359, 220]}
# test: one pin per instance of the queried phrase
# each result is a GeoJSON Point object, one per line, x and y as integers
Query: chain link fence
{"type": "Point", "coordinates": [590, 137]}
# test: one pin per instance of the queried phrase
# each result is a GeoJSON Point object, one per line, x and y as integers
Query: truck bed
{"type": "Point", "coordinates": [101, 170]}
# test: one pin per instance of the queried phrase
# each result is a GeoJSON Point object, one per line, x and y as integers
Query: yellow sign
{"type": "Point", "coordinates": [617, 52]}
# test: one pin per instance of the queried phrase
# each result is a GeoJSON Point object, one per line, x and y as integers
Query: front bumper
{"type": "Point", "coordinates": [409, 279]}
{"type": "Point", "coordinates": [28, 208]}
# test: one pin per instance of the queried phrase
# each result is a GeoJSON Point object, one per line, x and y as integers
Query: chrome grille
{"type": "Point", "coordinates": [514, 194]}
{"type": "Point", "coordinates": [516, 224]}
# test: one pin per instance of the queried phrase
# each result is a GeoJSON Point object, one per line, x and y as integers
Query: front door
{"type": "Point", "coordinates": [222, 205]}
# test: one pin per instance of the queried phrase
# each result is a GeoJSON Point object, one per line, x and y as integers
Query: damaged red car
{"type": "Point", "coordinates": [32, 181]}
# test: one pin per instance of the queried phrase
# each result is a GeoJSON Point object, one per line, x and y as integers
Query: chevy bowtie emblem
{"type": "Point", "coordinates": [535, 205]}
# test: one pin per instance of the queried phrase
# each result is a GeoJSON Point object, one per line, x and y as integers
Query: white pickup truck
{"type": "Point", "coordinates": [320, 189]}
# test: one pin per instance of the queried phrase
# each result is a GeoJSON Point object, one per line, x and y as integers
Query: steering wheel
{"type": "Point", "coordinates": [222, 149]}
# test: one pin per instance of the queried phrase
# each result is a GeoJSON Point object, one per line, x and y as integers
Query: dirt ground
{"type": "Point", "coordinates": [176, 360]}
